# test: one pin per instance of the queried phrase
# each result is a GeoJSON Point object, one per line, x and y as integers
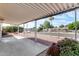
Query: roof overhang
{"type": "Point", "coordinates": [18, 13]}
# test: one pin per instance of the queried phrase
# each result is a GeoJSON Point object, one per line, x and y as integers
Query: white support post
{"type": "Point", "coordinates": [0, 30]}
{"type": "Point", "coordinates": [27, 30]}
{"type": "Point", "coordinates": [75, 25]}
{"type": "Point", "coordinates": [58, 33]}
{"type": "Point", "coordinates": [35, 30]}
{"type": "Point", "coordinates": [18, 29]}
{"type": "Point", "coordinates": [24, 30]}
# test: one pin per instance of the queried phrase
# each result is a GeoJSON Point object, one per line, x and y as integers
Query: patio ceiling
{"type": "Point", "coordinates": [17, 13]}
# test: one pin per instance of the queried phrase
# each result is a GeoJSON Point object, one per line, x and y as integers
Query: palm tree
{"type": "Point", "coordinates": [51, 18]}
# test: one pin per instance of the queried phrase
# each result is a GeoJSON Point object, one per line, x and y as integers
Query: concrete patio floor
{"type": "Point", "coordinates": [11, 46]}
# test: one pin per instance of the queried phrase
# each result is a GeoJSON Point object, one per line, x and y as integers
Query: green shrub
{"type": "Point", "coordinates": [69, 47]}
{"type": "Point", "coordinates": [40, 29]}
{"type": "Point", "coordinates": [12, 29]}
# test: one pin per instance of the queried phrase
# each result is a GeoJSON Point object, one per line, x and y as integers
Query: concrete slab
{"type": "Point", "coordinates": [12, 46]}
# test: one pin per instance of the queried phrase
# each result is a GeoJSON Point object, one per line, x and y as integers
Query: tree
{"type": "Point", "coordinates": [77, 24]}
{"type": "Point", "coordinates": [51, 18]}
{"type": "Point", "coordinates": [51, 26]}
{"type": "Point", "coordinates": [47, 25]}
{"type": "Point", "coordinates": [61, 26]}
{"type": "Point", "coordinates": [72, 25]}
{"type": "Point", "coordinates": [40, 28]}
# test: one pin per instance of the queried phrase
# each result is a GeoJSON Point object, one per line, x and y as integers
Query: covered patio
{"type": "Point", "coordinates": [34, 43]}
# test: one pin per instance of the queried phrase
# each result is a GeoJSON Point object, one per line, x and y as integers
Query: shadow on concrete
{"type": "Point", "coordinates": [44, 42]}
{"type": "Point", "coordinates": [7, 36]}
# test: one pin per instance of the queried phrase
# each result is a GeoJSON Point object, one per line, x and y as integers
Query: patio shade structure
{"type": "Point", "coordinates": [20, 13]}
{"type": "Point", "coordinates": [25, 12]}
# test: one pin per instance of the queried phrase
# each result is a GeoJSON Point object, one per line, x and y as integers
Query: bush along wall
{"type": "Point", "coordinates": [69, 47]}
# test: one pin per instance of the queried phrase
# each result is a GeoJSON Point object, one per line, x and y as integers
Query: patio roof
{"type": "Point", "coordinates": [17, 13]}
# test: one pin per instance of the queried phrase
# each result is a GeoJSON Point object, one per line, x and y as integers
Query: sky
{"type": "Point", "coordinates": [64, 19]}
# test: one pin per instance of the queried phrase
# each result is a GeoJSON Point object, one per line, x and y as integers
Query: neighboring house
{"type": "Point", "coordinates": [30, 30]}
{"type": "Point", "coordinates": [64, 29]}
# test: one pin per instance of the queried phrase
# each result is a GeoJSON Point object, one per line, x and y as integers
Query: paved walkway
{"type": "Point", "coordinates": [11, 46]}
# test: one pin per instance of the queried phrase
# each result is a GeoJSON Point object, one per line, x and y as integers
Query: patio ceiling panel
{"type": "Point", "coordinates": [38, 9]}
{"type": "Point", "coordinates": [64, 6]}
{"type": "Point", "coordinates": [17, 13]}
{"type": "Point", "coordinates": [60, 7]}
{"type": "Point", "coordinates": [37, 12]}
